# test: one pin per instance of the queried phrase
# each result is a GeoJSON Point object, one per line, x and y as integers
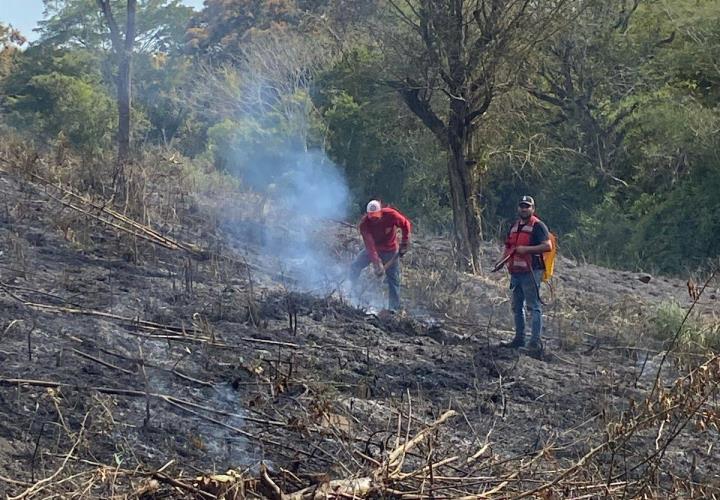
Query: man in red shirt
{"type": "Point", "coordinates": [378, 228]}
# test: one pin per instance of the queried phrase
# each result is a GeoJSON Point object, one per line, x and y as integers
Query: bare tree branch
{"type": "Point", "coordinates": [112, 25]}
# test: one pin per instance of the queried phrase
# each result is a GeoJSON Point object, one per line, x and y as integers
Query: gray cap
{"type": "Point", "coordinates": [527, 200]}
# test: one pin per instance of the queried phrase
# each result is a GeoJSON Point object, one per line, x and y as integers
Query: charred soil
{"type": "Point", "coordinates": [130, 368]}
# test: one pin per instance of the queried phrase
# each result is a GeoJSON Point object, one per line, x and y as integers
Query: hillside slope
{"type": "Point", "coordinates": [134, 369]}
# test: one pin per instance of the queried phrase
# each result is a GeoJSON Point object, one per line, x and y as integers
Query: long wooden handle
{"type": "Point", "coordinates": [391, 262]}
{"type": "Point", "coordinates": [502, 262]}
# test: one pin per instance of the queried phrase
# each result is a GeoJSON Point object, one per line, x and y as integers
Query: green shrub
{"type": "Point", "coordinates": [668, 318]}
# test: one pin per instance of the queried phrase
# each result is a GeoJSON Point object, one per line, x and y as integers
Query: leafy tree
{"type": "Point", "coordinates": [383, 150]}
{"type": "Point", "coordinates": [565, 144]}
{"type": "Point", "coordinates": [260, 111]}
{"type": "Point", "coordinates": [78, 109]}
{"type": "Point", "coordinates": [270, 82]}
{"type": "Point", "coordinates": [668, 162]}
{"type": "Point", "coordinates": [10, 40]}
{"type": "Point", "coordinates": [160, 24]}
{"type": "Point", "coordinates": [58, 91]}
{"type": "Point", "coordinates": [9, 36]}
{"type": "Point", "coordinates": [151, 26]}
{"type": "Point", "coordinates": [161, 84]}
{"type": "Point", "coordinates": [122, 45]}
{"type": "Point", "coordinates": [224, 26]}
{"type": "Point", "coordinates": [452, 58]}
{"type": "Point", "coordinates": [588, 77]}
{"type": "Point", "coordinates": [687, 34]}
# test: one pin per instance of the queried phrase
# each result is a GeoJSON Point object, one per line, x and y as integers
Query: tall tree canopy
{"type": "Point", "coordinates": [605, 110]}
{"type": "Point", "coordinates": [450, 60]}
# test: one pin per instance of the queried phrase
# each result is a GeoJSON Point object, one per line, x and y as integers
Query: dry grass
{"type": "Point", "coordinates": [162, 190]}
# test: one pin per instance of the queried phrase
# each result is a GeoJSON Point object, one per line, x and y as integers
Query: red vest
{"type": "Point", "coordinates": [516, 238]}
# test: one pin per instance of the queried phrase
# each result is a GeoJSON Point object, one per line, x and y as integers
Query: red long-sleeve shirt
{"type": "Point", "coordinates": [379, 233]}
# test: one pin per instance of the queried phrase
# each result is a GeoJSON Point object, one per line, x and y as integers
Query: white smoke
{"type": "Point", "coordinates": [273, 122]}
{"type": "Point", "coordinates": [307, 192]}
{"type": "Point", "coordinates": [265, 138]}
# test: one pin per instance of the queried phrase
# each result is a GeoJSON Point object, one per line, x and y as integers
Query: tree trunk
{"type": "Point", "coordinates": [123, 49]}
{"type": "Point", "coordinates": [466, 211]}
{"type": "Point", "coordinates": [123, 102]}
{"type": "Point", "coordinates": [124, 85]}
{"type": "Point", "coordinates": [466, 215]}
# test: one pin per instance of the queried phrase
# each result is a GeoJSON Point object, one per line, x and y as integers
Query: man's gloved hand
{"type": "Point", "coordinates": [404, 247]}
{"type": "Point", "coordinates": [378, 269]}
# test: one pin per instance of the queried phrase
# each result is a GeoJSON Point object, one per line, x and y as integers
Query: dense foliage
{"type": "Point", "coordinates": [611, 121]}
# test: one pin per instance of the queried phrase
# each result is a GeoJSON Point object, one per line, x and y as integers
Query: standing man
{"type": "Point", "coordinates": [527, 240]}
{"type": "Point", "coordinates": [378, 228]}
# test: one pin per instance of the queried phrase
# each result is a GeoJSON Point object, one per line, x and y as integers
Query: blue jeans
{"type": "Point", "coordinates": [525, 293]}
{"type": "Point", "coordinates": [392, 274]}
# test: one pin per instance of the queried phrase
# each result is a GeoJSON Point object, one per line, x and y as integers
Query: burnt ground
{"type": "Point", "coordinates": [127, 356]}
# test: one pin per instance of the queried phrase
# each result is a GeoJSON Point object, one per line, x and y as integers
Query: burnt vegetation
{"type": "Point", "coordinates": [178, 198]}
{"type": "Point", "coordinates": [165, 363]}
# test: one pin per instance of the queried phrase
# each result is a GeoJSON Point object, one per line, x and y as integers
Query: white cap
{"type": "Point", "coordinates": [373, 207]}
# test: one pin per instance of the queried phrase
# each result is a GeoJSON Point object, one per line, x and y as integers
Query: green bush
{"type": "Point", "coordinates": [383, 150]}
{"type": "Point", "coordinates": [55, 92]}
{"type": "Point", "coordinates": [668, 318]}
{"type": "Point", "coordinates": [84, 113]}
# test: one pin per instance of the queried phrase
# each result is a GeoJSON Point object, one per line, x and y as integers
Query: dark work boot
{"type": "Point", "coordinates": [535, 349]}
{"type": "Point", "coordinates": [515, 344]}
{"type": "Point", "coordinates": [534, 345]}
